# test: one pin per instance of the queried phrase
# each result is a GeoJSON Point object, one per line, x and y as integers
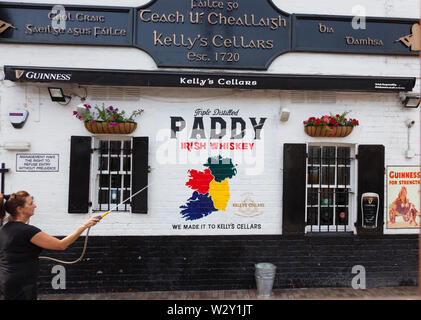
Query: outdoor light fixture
{"type": "Point", "coordinates": [410, 100]}
{"type": "Point", "coordinates": [57, 95]}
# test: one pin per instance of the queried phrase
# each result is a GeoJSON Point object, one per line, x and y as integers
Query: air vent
{"type": "Point", "coordinates": [114, 93]}
{"type": "Point", "coordinates": [313, 97]}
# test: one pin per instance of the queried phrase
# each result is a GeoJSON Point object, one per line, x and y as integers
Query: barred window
{"type": "Point", "coordinates": [113, 164]}
{"type": "Point", "coordinates": [329, 188]}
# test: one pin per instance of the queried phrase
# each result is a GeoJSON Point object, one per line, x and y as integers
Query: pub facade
{"type": "Point", "coordinates": [214, 135]}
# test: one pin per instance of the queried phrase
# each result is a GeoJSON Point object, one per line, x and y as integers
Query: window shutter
{"type": "Point", "coordinates": [80, 174]}
{"type": "Point", "coordinates": [139, 203]}
{"type": "Point", "coordinates": [294, 189]}
{"type": "Point", "coordinates": [371, 179]}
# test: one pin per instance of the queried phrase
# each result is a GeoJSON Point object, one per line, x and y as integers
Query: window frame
{"type": "Point", "coordinates": [352, 207]}
{"type": "Point", "coordinates": [95, 174]}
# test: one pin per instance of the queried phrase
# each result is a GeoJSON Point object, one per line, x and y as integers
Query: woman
{"type": "Point", "coordinates": [21, 244]}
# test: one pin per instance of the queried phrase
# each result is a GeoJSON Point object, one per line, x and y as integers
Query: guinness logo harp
{"type": "Point", "coordinates": [19, 73]}
{"type": "Point", "coordinates": [413, 40]}
{"type": "Point", "coordinates": [4, 26]}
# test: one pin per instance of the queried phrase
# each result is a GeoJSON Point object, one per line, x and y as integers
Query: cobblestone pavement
{"type": "Point", "coordinates": [392, 293]}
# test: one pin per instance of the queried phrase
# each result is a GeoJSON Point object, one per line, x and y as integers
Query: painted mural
{"type": "Point", "coordinates": [211, 188]}
{"type": "Point", "coordinates": [218, 157]}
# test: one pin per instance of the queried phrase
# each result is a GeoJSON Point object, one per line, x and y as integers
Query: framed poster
{"type": "Point", "coordinates": [403, 197]}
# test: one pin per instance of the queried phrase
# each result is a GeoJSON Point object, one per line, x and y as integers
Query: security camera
{"type": "Point", "coordinates": [410, 123]}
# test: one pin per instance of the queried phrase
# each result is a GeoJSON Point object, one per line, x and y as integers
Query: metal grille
{"type": "Point", "coordinates": [328, 189]}
{"type": "Point", "coordinates": [113, 174]}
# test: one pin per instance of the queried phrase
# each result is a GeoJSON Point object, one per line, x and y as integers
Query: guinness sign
{"type": "Point", "coordinates": [19, 74]}
{"type": "Point", "coordinates": [41, 76]}
{"type": "Point", "coordinates": [207, 79]}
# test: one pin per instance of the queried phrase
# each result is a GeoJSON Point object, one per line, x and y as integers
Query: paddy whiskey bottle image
{"type": "Point", "coordinates": [369, 209]}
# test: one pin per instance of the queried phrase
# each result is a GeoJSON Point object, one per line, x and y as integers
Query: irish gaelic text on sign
{"type": "Point", "coordinates": [224, 34]}
{"type": "Point", "coordinates": [204, 33]}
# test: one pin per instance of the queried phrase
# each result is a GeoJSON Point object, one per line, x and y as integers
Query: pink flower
{"type": "Point", "coordinates": [110, 108]}
{"type": "Point", "coordinates": [74, 113]}
{"type": "Point", "coordinates": [80, 117]}
{"type": "Point", "coordinates": [88, 106]}
{"type": "Point", "coordinates": [93, 121]}
{"type": "Point", "coordinates": [114, 118]}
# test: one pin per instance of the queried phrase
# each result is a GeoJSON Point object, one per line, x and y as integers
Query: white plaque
{"type": "Point", "coordinates": [37, 162]}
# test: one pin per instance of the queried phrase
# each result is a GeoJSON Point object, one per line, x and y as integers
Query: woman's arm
{"type": "Point", "coordinates": [45, 241]}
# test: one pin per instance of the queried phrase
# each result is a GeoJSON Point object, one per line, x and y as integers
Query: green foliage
{"type": "Point", "coordinates": [112, 116]}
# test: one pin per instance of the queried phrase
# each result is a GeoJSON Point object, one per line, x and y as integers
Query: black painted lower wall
{"type": "Point", "coordinates": [163, 263]}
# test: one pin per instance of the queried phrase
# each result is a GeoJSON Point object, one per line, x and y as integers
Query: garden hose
{"type": "Point", "coordinates": [87, 234]}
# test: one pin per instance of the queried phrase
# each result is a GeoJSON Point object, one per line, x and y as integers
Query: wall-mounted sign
{"type": "Point", "coordinates": [208, 79]}
{"type": "Point", "coordinates": [87, 25]}
{"type": "Point", "coordinates": [244, 34]}
{"type": "Point", "coordinates": [228, 34]}
{"type": "Point", "coordinates": [403, 197]}
{"type": "Point", "coordinates": [370, 209]}
{"type": "Point", "coordinates": [339, 34]}
{"type": "Point", "coordinates": [37, 162]}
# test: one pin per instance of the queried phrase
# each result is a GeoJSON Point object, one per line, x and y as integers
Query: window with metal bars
{"type": "Point", "coordinates": [329, 188]}
{"type": "Point", "coordinates": [113, 163]}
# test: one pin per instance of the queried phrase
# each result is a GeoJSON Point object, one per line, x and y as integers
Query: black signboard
{"type": "Point", "coordinates": [202, 33]}
{"type": "Point", "coordinates": [45, 23]}
{"type": "Point", "coordinates": [226, 34]}
{"type": "Point", "coordinates": [208, 79]}
{"type": "Point", "coordinates": [343, 34]}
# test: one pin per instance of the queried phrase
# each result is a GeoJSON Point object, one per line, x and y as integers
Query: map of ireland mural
{"type": "Point", "coordinates": [210, 188]}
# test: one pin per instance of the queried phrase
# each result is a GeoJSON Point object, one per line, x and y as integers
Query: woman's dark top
{"type": "Point", "coordinates": [19, 263]}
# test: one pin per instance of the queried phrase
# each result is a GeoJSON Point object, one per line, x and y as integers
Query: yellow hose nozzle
{"type": "Point", "coordinates": [104, 214]}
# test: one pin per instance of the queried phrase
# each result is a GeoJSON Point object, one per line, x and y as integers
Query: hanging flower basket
{"type": "Point", "coordinates": [330, 126]}
{"type": "Point", "coordinates": [104, 127]}
{"type": "Point", "coordinates": [107, 120]}
{"type": "Point", "coordinates": [334, 132]}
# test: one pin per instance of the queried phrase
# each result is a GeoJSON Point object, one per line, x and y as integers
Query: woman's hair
{"type": "Point", "coordinates": [10, 203]}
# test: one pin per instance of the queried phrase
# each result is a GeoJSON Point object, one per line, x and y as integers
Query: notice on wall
{"type": "Point", "coordinates": [37, 162]}
{"type": "Point", "coordinates": [403, 197]}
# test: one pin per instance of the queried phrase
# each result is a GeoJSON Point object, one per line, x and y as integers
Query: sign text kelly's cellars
{"type": "Point", "coordinates": [229, 34]}
{"type": "Point", "coordinates": [235, 34]}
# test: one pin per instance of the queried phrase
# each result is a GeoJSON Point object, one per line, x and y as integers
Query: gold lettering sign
{"type": "Point", "coordinates": [4, 26]}
{"type": "Point", "coordinates": [413, 40]}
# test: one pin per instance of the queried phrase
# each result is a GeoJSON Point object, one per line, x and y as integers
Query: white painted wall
{"type": "Point", "coordinates": [50, 125]}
